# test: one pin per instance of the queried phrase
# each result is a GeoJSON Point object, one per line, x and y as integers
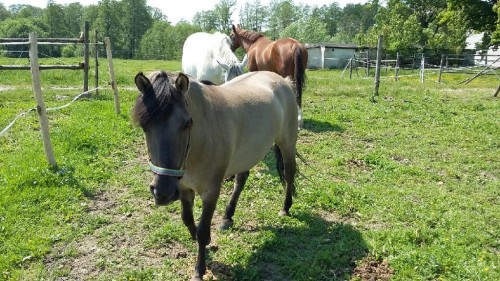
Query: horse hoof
{"type": "Point", "coordinates": [284, 213]}
{"type": "Point", "coordinates": [194, 278]}
{"type": "Point", "coordinates": [226, 224]}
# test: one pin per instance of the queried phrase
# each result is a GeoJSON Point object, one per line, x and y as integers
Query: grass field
{"type": "Point", "coordinates": [407, 188]}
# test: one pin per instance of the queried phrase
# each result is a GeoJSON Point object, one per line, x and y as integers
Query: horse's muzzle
{"type": "Point", "coordinates": [165, 190]}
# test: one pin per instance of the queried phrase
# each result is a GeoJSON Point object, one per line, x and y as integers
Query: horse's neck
{"type": "Point", "coordinates": [247, 43]}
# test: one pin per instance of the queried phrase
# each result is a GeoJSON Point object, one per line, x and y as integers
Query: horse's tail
{"type": "Point", "coordinates": [279, 163]}
{"type": "Point", "coordinates": [300, 72]}
{"type": "Point", "coordinates": [280, 166]}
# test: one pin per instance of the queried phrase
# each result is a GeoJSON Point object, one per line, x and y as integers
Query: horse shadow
{"type": "Point", "coordinates": [321, 126]}
{"type": "Point", "coordinates": [317, 249]}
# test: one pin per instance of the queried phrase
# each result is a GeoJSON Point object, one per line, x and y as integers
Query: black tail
{"type": "Point", "coordinates": [279, 163]}
{"type": "Point", "coordinates": [280, 166]}
{"type": "Point", "coordinates": [300, 74]}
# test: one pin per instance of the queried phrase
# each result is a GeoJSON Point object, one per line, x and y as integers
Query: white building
{"type": "Point", "coordinates": [323, 56]}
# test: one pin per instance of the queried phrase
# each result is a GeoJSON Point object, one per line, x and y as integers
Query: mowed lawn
{"type": "Point", "coordinates": [406, 188]}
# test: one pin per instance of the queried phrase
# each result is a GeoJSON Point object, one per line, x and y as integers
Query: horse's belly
{"type": "Point", "coordinates": [242, 162]}
{"type": "Point", "coordinates": [251, 149]}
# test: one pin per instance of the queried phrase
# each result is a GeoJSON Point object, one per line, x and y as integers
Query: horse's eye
{"type": "Point", "coordinates": [188, 123]}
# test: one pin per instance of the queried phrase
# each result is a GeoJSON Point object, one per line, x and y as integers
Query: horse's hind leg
{"type": "Point", "coordinates": [239, 183]}
{"type": "Point", "coordinates": [290, 168]}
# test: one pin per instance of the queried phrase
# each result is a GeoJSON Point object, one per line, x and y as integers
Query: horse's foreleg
{"type": "Point", "coordinates": [238, 187]}
{"type": "Point", "coordinates": [203, 232]}
{"type": "Point", "coordinates": [187, 200]}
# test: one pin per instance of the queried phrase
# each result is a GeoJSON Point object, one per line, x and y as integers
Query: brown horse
{"type": "Point", "coordinates": [285, 56]}
{"type": "Point", "coordinates": [197, 135]}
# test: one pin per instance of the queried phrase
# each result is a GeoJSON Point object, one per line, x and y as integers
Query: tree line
{"type": "Point", "coordinates": [139, 31]}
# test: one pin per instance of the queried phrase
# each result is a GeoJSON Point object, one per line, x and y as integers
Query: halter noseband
{"type": "Point", "coordinates": [164, 171]}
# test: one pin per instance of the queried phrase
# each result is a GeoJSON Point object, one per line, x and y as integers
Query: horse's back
{"type": "Point", "coordinates": [202, 54]}
{"type": "Point", "coordinates": [260, 85]}
{"type": "Point", "coordinates": [199, 58]}
{"type": "Point", "coordinates": [259, 110]}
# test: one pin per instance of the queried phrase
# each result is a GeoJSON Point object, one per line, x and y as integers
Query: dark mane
{"type": "Point", "coordinates": [250, 34]}
{"type": "Point", "coordinates": [207, 82]}
{"type": "Point", "coordinates": [156, 101]}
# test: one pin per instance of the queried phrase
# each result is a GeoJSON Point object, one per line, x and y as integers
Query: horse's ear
{"type": "Point", "coordinates": [142, 83]}
{"type": "Point", "coordinates": [182, 83]}
{"type": "Point", "coordinates": [224, 66]}
{"type": "Point", "coordinates": [234, 29]}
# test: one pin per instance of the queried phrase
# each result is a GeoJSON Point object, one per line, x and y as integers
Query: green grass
{"type": "Point", "coordinates": [408, 184]}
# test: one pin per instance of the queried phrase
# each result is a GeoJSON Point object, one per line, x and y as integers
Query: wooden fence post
{"type": "Point", "coordinates": [422, 69]}
{"type": "Point", "coordinates": [367, 63]}
{"type": "Point", "coordinates": [86, 57]}
{"type": "Point", "coordinates": [37, 89]}
{"type": "Point", "coordinates": [96, 50]}
{"type": "Point", "coordinates": [377, 69]}
{"type": "Point", "coordinates": [441, 68]}
{"type": "Point", "coordinates": [397, 67]}
{"type": "Point", "coordinates": [107, 42]}
{"type": "Point", "coordinates": [350, 68]}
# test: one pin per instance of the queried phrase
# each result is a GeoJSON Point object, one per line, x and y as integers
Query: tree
{"type": "Point", "coordinates": [311, 30]}
{"type": "Point", "coordinates": [479, 14]}
{"type": "Point", "coordinates": [155, 42]}
{"type": "Point", "coordinates": [136, 21]}
{"type": "Point", "coordinates": [254, 16]}
{"type": "Point", "coordinates": [164, 41]}
{"type": "Point", "coordinates": [4, 13]}
{"type": "Point", "coordinates": [451, 34]}
{"type": "Point", "coordinates": [73, 18]}
{"type": "Point", "coordinates": [223, 12]}
{"type": "Point", "coordinates": [495, 37]}
{"type": "Point", "coordinates": [53, 16]}
{"type": "Point", "coordinates": [21, 28]}
{"type": "Point", "coordinates": [108, 23]}
{"type": "Point", "coordinates": [282, 14]}
{"type": "Point", "coordinates": [330, 15]}
{"type": "Point", "coordinates": [206, 20]}
{"type": "Point", "coordinates": [25, 11]}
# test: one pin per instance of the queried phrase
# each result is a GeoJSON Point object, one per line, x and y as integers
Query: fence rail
{"type": "Point", "coordinates": [35, 68]}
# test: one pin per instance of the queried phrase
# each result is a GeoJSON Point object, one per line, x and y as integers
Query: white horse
{"type": "Point", "coordinates": [208, 57]}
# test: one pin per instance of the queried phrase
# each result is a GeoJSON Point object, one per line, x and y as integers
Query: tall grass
{"type": "Point", "coordinates": [409, 184]}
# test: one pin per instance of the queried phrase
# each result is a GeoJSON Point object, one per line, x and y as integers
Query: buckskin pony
{"type": "Point", "coordinates": [198, 134]}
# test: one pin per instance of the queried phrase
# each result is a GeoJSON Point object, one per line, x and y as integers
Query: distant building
{"type": "Point", "coordinates": [330, 55]}
{"type": "Point", "coordinates": [489, 57]}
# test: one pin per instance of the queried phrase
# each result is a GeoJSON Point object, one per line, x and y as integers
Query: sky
{"type": "Point", "coordinates": [184, 9]}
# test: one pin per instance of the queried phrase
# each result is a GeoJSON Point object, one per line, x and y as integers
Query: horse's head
{"type": "Point", "coordinates": [233, 70]}
{"type": "Point", "coordinates": [161, 111]}
{"type": "Point", "coordinates": [235, 38]}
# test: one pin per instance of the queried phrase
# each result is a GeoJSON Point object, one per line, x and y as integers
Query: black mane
{"type": "Point", "coordinates": [156, 101]}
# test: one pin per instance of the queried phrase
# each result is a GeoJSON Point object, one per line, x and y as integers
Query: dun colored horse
{"type": "Point", "coordinates": [285, 56]}
{"type": "Point", "coordinates": [197, 135]}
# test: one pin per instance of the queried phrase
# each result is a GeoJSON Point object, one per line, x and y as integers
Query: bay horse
{"type": "Point", "coordinates": [208, 57]}
{"type": "Point", "coordinates": [285, 56]}
{"type": "Point", "coordinates": [197, 135]}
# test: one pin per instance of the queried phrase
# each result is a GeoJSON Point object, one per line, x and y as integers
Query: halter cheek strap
{"type": "Point", "coordinates": [164, 171]}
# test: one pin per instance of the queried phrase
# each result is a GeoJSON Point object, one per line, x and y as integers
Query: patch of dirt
{"type": "Point", "coordinates": [371, 270]}
{"type": "Point", "coordinates": [116, 239]}
{"type": "Point", "coordinates": [358, 164]}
